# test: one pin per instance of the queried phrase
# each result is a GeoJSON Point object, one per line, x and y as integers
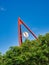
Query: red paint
{"type": "Point", "coordinates": [20, 32]}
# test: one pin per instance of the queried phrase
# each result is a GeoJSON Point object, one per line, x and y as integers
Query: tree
{"type": "Point", "coordinates": [29, 53]}
{"type": "Point", "coordinates": [1, 59]}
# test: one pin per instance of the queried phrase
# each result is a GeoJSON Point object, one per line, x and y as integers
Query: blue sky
{"type": "Point", "coordinates": [35, 13]}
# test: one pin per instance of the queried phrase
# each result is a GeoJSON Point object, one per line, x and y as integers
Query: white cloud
{"type": "Point", "coordinates": [2, 9]}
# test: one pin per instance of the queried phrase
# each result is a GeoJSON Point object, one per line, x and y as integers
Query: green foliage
{"type": "Point", "coordinates": [29, 53]}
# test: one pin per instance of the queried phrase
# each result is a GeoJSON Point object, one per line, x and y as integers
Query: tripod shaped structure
{"type": "Point", "coordinates": [20, 22]}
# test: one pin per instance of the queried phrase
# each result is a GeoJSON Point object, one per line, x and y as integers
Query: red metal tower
{"type": "Point", "coordinates": [20, 32]}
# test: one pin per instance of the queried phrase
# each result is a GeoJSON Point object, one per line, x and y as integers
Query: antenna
{"type": "Point", "coordinates": [20, 22]}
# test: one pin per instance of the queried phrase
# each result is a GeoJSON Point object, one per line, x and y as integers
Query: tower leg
{"type": "Point", "coordinates": [19, 32]}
